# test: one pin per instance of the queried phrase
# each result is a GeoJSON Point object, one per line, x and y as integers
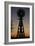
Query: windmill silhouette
{"type": "Point", "coordinates": [21, 14]}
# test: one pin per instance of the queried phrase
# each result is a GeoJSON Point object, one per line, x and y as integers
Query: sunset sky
{"type": "Point", "coordinates": [15, 20]}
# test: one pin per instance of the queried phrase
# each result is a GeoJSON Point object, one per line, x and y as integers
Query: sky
{"type": "Point", "coordinates": [15, 20]}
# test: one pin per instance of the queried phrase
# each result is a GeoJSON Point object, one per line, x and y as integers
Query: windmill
{"type": "Point", "coordinates": [21, 14]}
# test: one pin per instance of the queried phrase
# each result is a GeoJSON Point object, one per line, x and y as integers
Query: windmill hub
{"type": "Point", "coordinates": [21, 12]}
